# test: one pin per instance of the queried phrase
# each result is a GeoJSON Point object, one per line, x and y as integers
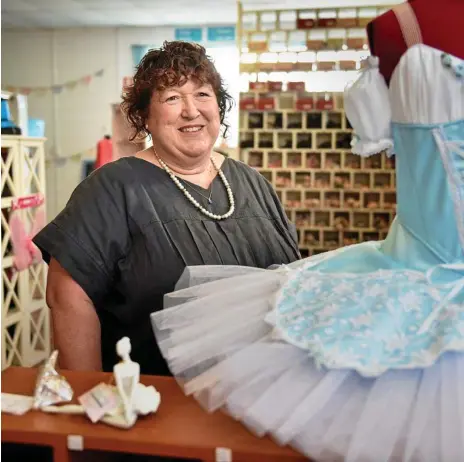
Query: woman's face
{"type": "Point", "coordinates": [184, 121]}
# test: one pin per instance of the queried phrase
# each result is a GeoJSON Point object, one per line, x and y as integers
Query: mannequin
{"type": "Point", "coordinates": [104, 151]}
{"type": "Point", "coordinates": [441, 25]}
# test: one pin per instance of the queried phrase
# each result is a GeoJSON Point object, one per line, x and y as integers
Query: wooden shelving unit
{"type": "Point", "coordinates": [25, 315]}
{"type": "Point", "coordinates": [121, 132]}
{"type": "Point", "coordinates": [300, 139]}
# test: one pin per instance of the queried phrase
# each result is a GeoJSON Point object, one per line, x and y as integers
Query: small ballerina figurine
{"type": "Point", "coordinates": [127, 376]}
{"type": "Point", "coordinates": [134, 399]}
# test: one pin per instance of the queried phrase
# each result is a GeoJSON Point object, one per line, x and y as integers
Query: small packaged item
{"type": "Point", "coordinates": [100, 400]}
{"type": "Point", "coordinates": [51, 388]}
{"type": "Point", "coordinates": [25, 252]}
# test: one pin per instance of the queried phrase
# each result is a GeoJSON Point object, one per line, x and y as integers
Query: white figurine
{"type": "Point", "coordinates": [135, 398]}
{"type": "Point", "coordinates": [127, 376]}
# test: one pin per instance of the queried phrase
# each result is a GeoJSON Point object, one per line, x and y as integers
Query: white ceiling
{"type": "Point", "coordinates": [104, 13]}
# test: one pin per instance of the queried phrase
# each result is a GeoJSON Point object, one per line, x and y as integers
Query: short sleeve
{"type": "Point", "coordinates": [367, 107]}
{"type": "Point", "coordinates": [91, 234]}
{"type": "Point", "coordinates": [288, 225]}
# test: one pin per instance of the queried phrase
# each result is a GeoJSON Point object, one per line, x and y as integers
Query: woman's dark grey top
{"type": "Point", "coordinates": [127, 234]}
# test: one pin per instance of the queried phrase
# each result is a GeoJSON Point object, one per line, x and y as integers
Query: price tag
{"type": "Point", "coordinates": [25, 202]}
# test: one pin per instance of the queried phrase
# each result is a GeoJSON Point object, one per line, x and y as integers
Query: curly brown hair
{"type": "Point", "coordinates": [171, 65]}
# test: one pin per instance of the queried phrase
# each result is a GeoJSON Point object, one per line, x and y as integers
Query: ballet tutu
{"type": "Point", "coordinates": [355, 366]}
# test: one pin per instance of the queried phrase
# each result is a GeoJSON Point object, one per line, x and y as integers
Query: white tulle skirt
{"type": "Point", "coordinates": [218, 344]}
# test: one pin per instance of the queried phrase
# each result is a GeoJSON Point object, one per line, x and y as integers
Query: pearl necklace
{"type": "Point", "coordinates": [193, 200]}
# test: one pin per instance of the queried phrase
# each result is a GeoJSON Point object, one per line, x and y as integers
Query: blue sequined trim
{"type": "Point", "coordinates": [456, 65]}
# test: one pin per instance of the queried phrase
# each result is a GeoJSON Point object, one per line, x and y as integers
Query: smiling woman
{"type": "Point", "coordinates": [130, 228]}
{"type": "Point", "coordinates": [171, 68]}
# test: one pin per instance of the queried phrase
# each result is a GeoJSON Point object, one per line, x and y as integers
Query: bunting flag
{"type": "Point", "coordinates": [77, 157]}
{"type": "Point", "coordinates": [56, 89]}
{"type": "Point", "coordinates": [63, 160]}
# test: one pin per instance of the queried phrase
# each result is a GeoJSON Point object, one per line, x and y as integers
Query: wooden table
{"type": "Point", "coordinates": [180, 428]}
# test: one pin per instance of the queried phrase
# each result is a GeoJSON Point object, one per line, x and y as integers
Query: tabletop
{"type": "Point", "coordinates": [180, 427]}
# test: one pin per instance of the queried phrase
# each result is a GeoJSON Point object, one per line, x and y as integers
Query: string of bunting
{"type": "Point", "coordinates": [77, 157]}
{"type": "Point", "coordinates": [56, 89]}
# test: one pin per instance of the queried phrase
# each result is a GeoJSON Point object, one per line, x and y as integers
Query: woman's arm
{"type": "Point", "coordinates": [76, 327]}
{"type": "Point", "coordinates": [82, 247]}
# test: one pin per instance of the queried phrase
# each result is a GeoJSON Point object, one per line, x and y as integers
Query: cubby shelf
{"type": "Point", "coordinates": [299, 139]}
{"type": "Point", "coordinates": [336, 35]}
{"type": "Point", "coordinates": [334, 197]}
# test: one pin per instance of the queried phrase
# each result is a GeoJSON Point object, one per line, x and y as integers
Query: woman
{"type": "Point", "coordinates": [131, 227]}
{"type": "Point", "coordinates": [357, 354]}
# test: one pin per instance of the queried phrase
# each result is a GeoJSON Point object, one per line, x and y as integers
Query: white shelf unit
{"type": "Point", "coordinates": [25, 315]}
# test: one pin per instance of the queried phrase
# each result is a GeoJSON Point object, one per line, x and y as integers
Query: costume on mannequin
{"type": "Point", "coordinates": [441, 27]}
{"type": "Point", "coordinates": [355, 354]}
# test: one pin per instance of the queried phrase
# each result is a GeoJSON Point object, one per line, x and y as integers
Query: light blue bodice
{"type": "Point", "coordinates": [429, 228]}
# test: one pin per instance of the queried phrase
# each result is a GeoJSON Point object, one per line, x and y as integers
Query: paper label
{"type": "Point", "coordinates": [75, 443]}
{"type": "Point", "coordinates": [223, 455]}
{"type": "Point", "coordinates": [16, 404]}
{"type": "Point", "coordinates": [99, 401]}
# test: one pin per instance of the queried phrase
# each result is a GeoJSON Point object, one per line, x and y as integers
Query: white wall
{"type": "Point", "coordinates": [75, 119]}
